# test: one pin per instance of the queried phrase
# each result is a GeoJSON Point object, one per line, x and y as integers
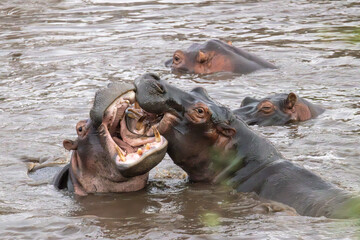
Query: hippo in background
{"type": "Point", "coordinates": [111, 154]}
{"type": "Point", "coordinates": [214, 146]}
{"type": "Point", "coordinates": [215, 56]}
{"type": "Point", "coordinates": [278, 109]}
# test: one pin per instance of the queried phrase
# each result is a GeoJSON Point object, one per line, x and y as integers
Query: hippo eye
{"type": "Point", "coordinates": [176, 59]}
{"type": "Point", "coordinates": [266, 109]}
{"type": "Point", "coordinates": [80, 129]}
{"type": "Point", "coordinates": [200, 111]}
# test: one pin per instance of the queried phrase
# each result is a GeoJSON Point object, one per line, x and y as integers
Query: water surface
{"type": "Point", "coordinates": [55, 54]}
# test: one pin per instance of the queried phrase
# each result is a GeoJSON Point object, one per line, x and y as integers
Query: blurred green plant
{"type": "Point", "coordinates": [347, 34]}
{"type": "Point", "coordinates": [355, 35]}
{"type": "Point", "coordinates": [350, 209]}
{"type": "Point", "coordinates": [224, 163]}
{"type": "Point", "coordinates": [210, 219]}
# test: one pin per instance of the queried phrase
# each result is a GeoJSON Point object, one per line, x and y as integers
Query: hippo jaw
{"type": "Point", "coordinates": [107, 155]}
{"type": "Point", "coordinates": [134, 154]}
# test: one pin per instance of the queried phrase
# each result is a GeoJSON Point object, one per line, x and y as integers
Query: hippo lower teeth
{"type": "Point", "coordinates": [119, 152]}
{"type": "Point", "coordinates": [157, 134]}
{"type": "Point", "coordinates": [139, 151]}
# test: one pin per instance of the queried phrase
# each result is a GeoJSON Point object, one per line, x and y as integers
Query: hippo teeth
{"type": "Point", "coordinates": [157, 134]}
{"type": "Point", "coordinates": [139, 151]}
{"type": "Point", "coordinates": [140, 124]}
{"type": "Point", "coordinates": [132, 113]}
{"type": "Point", "coordinates": [105, 98]}
{"type": "Point", "coordinates": [125, 99]}
{"type": "Point", "coordinates": [147, 149]}
{"type": "Point", "coordinates": [136, 105]}
{"type": "Point", "coordinates": [119, 152]}
{"type": "Point", "coordinates": [127, 141]}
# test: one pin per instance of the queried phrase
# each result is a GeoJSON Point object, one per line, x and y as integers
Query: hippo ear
{"type": "Point", "coordinates": [202, 91]}
{"type": "Point", "coordinates": [226, 130]}
{"type": "Point", "coordinates": [291, 100]}
{"type": "Point", "coordinates": [229, 43]}
{"type": "Point", "coordinates": [70, 145]}
{"type": "Point", "coordinates": [247, 101]}
{"type": "Point", "coordinates": [202, 57]}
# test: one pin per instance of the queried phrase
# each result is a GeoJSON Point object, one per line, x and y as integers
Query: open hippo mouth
{"type": "Point", "coordinates": [131, 134]}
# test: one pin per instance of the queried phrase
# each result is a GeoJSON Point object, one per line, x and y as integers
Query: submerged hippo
{"type": "Point", "coordinates": [215, 56]}
{"type": "Point", "coordinates": [212, 145]}
{"type": "Point", "coordinates": [111, 153]}
{"type": "Point", "coordinates": [278, 109]}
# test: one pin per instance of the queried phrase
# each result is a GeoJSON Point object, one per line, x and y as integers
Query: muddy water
{"type": "Point", "coordinates": [55, 54]}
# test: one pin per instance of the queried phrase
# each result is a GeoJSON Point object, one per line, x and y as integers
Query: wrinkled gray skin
{"type": "Point", "coordinates": [216, 56]}
{"type": "Point", "coordinates": [252, 113]}
{"type": "Point", "coordinates": [93, 167]}
{"type": "Point", "coordinates": [222, 148]}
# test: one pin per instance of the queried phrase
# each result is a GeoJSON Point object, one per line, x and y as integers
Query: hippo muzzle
{"type": "Point", "coordinates": [115, 148]}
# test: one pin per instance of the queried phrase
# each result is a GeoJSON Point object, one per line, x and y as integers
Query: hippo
{"type": "Point", "coordinates": [213, 146]}
{"type": "Point", "coordinates": [111, 153]}
{"type": "Point", "coordinates": [278, 109]}
{"type": "Point", "coordinates": [215, 56]}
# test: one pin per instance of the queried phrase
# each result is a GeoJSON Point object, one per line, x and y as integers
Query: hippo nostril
{"type": "Point", "coordinates": [250, 122]}
{"type": "Point", "coordinates": [168, 62]}
{"type": "Point", "coordinates": [159, 87]}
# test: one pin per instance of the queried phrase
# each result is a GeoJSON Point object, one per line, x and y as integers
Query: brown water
{"type": "Point", "coordinates": [54, 55]}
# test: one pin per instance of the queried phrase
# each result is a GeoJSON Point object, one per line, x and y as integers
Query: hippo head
{"type": "Point", "coordinates": [200, 132]}
{"type": "Point", "coordinates": [115, 148]}
{"type": "Point", "coordinates": [215, 56]}
{"type": "Point", "coordinates": [277, 109]}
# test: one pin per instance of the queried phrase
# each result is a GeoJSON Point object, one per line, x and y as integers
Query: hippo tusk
{"type": "Point", "coordinates": [157, 134]}
{"type": "Point", "coordinates": [136, 105]}
{"type": "Point", "coordinates": [140, 124]}
{"type": "Point", "coordinates": [119, 152]}
{"type": "Point", "coordinates": [131, 111]}
{"type": "Point", "coordinates": [109, 99]}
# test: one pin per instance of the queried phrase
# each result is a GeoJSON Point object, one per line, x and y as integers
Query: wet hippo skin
{"type": "Point", "coordinates": [220, 148]}
{"type": "Point", "coordinates": [108, 154]}
{"type": "Point", "coordinates": [278, 109]}
{"type": "Point", "coordinates": [215, 56]}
